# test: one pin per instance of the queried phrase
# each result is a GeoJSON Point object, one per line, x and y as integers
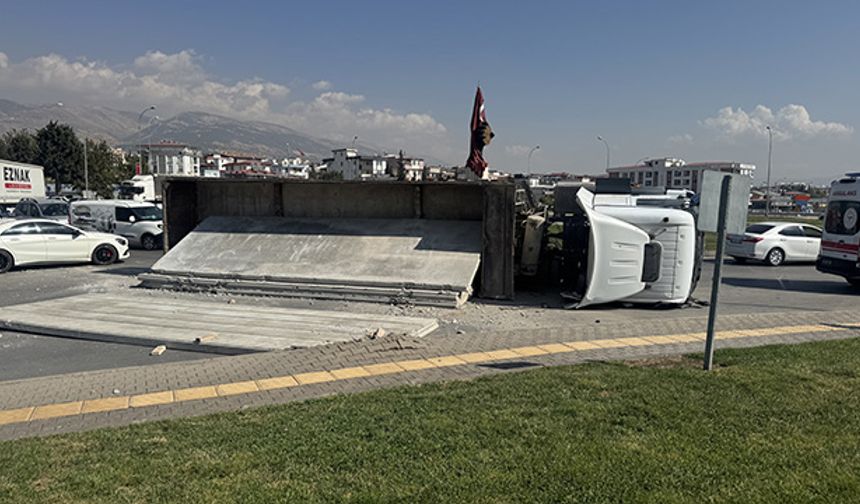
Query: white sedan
{"type": "Point", "coordinates": [775, 243]}
{"type": "Point", "coordinates": [40, 241]}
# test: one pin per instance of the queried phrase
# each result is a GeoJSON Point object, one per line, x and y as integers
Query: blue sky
{"type": "Point", "coordinates": [654, 78]}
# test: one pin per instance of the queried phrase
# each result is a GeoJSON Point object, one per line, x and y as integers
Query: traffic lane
{"type": "Point", "coordinates": [40, 283]}
{"type": "Point", "coordinates": [798, 286]}
{"type": "Point", "coordinates": [25, 355]}
{"type": "Point", "coordinates": [30, 356]}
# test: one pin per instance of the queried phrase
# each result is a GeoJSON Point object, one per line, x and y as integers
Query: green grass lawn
{"type": "Point", "coordinates": [777, 424]}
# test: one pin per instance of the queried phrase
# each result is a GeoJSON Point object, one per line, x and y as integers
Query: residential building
{"type": "Point", "coordinates": [351, 166]}
{"type": "Point", "coordinates": [675, 173]}
{"type": "Point", "coordinates": [169, 158]}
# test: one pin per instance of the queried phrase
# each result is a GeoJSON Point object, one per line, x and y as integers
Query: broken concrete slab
{"type": "Point", "coordinates": [422, 261]}
{"type": "Point", "coordinates": [199, 325]}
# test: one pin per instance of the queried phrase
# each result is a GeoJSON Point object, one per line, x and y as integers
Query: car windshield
{"type": "Point", "coordinates": [759, 228]}
{"type": "Point", "coordinates": [147, 213]}
{"type": "Point", "coordinates": [842, 217]}
{"type": "Point", "coordinates": [54, 209]}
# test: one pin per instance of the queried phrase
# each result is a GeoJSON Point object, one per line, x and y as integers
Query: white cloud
{"type": "Point", "coordinates": [322, 85]}
{"type": "Point", "coordinates": [791, 121]}
{"type": "Point", "coordinates": [178, 82]}
{"type": "Point", "coordinates": [685, 139]}
{"type": "Point", "coordinates": [518, 150]}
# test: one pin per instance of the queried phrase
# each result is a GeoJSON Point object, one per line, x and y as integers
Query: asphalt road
{"type": "Point", "coordinates": [746, 288]}
{"type": "Point", "coordinates": [28, 355]}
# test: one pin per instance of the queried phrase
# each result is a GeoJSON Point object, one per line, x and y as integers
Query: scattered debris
{"type": "Point", "coordinates": [460, 331]}
{"type": "Point", "coordinates": [160, 349]}
{"type": "Point", "coordinates": [203, 339]}
{"type": "Point", "coordinates": [231, 301]}
{"type": "Point", "coordinates": [378, 333]}
{"type": "Point", "coordinates": [116, 391]}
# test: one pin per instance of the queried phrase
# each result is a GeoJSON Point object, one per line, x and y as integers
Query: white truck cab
{"type": "Point", "coordinates": [840, 242]}
{"type": "Point", "coordinates": [140, 223]}
{"type": "Point", "coordinates": [631, 248]}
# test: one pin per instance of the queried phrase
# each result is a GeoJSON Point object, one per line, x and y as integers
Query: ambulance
{"type": "Point", "coordinates": [840, 243]}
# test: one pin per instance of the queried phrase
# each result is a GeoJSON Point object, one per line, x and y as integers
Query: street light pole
{"type": "Point", "coordinates": [769, 159]}
{"type": "Point", "coordinates": [140, 146]}
{"type": "Point", "coordinates": [533, 149]}
{"type": "Point", "coordinates": [86, 170]}
{"type": "Point", "coordinates": [607, 150]}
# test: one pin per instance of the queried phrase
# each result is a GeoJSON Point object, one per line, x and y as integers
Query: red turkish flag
{"type": "Point", "coordinates": [476, 160]}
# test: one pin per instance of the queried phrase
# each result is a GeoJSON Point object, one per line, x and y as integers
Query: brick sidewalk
{"type": "Point", "coordinates": [83, 401]}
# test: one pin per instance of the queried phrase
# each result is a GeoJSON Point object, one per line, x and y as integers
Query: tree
{"type": "Point", "coordinates": [61, 154]}
{"type": "Point", "coordinates": [20, 146]}
{"type": "Point", "coordinates": [105, 168]}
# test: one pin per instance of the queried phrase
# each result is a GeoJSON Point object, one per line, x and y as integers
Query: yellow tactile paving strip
{"type": "Point", "coordinates": [65, 409]}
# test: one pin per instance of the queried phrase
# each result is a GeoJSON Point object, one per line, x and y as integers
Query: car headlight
{"type": "Point", "coordinates": [122, 241]}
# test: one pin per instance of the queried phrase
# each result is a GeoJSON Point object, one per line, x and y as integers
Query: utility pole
{"type": "Point", "coordinates": [769, 158]}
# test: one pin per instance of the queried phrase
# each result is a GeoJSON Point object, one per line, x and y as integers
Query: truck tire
{"type": "Point", "coordinates": [855, 282]}
{"type": "Point", "coordinates": [148, 242]}
{"type": "Point", "coordinates": [6, 261]}
{"type": "Point", "coordinates": [105, 254]}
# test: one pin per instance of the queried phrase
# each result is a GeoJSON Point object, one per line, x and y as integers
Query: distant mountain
{"type": "Point", "coordinates": [92, 121]}
{"type": "Point", "coordinates": [208, 132]}
{"type": "Point", "coordinates": [212, 132]}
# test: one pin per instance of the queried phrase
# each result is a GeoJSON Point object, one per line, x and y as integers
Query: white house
{"type": "Point", "coordinates": [675, 173]}
{"type": "Point", "coordinates": [168, 158]}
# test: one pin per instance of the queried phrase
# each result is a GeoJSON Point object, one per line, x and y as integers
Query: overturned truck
{"type": "Point", "coordinates": [422, 243]}
{"type": "Point", "coordinates": [428, 243]}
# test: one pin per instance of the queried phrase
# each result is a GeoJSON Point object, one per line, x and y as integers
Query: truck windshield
{"type": "Point", "coordinates": [55, 209]}
{"type": "Point", "coordinates": [842, 217]}
{"type": "Point", "coordinates": [152, 213]}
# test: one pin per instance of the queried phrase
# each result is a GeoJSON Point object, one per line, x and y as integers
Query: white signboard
{"type": "Point", "coordinates": [738, 204]}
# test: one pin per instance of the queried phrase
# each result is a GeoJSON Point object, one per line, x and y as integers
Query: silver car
{"type": "Point", "coordinates": [42, 208]}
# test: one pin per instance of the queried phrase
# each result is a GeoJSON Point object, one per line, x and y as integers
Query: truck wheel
{"type": "Point", "coordinates": [855, 282]}
{"type": "Point", "coordinates": [148, 242]}
{"type": "Point", "coordinates": [775, 257]}
{"type": "Point", "coordinates": [105, 254]}
{"type": "Point", "coordinates": [6, 261]}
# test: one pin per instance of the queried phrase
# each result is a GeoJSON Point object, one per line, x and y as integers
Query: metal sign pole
{"type": "Point", "coordinates": [718, 271]}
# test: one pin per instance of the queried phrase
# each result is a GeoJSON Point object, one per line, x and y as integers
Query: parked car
{"type": "Point", "coordinates": [140, 223]}
{"type": "Point", "coordinates": [775, 243]}
{"type": "Point", "coordinates": [42, 208]}
{"type": "Point", "coordinates": [41, 241]}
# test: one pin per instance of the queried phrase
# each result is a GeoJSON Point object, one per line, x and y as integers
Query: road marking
{"type": "Point", "coordinates": [66, 409]}
{"type": "Point", "coordinates": [152, 399]}
{"type": "Point", "coordinates": [106, 404]}
{"type": "Point", "coordinates": [194, 393]}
